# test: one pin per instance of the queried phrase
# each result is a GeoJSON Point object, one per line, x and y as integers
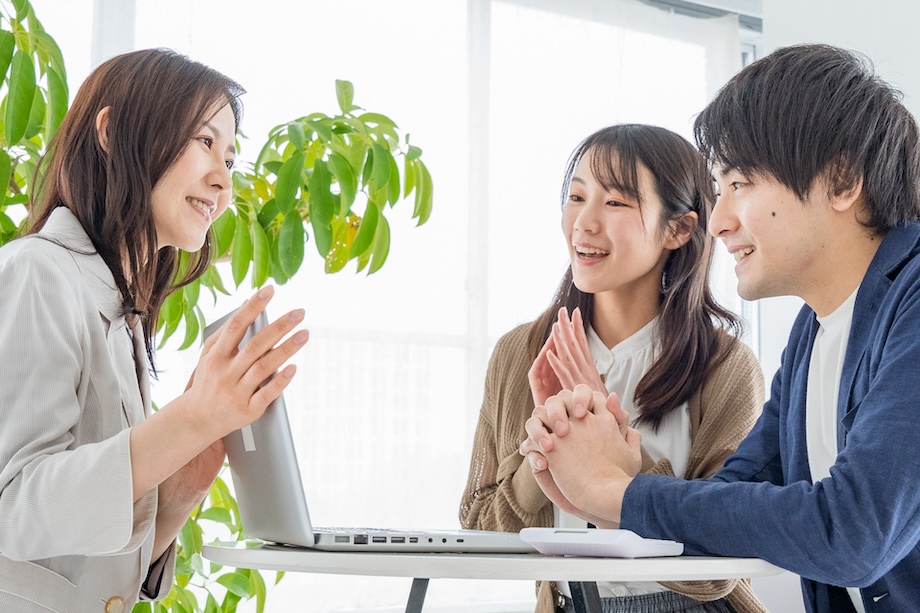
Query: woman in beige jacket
{"type": "Point", "coordinates": [633, 315]}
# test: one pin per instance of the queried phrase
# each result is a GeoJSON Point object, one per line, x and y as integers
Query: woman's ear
{"type": "Point", "coordinates": [679, 231]}
{"type": "Point", "coordinates": [102, 128]}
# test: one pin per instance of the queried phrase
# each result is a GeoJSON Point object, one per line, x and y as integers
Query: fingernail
{"type": "Point", "coordinates": [265, 292]}
{"type": "Point", "coordinates": [540, 464]}
{"type": "Point", "coordinates": [559, 425]}
{"type": "Point", "coordinates": [300, 338]}
{"type": "Point", "coordinates": [296, 316]}
{"type": "Point", "coordinates": [289, 371]}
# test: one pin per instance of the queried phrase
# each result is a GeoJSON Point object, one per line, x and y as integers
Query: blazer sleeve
{"type": "Point", "coordinates": [53, 493]}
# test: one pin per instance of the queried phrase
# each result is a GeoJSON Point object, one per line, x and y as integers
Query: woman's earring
{"type": "Point", "coordinates": [664, 282]}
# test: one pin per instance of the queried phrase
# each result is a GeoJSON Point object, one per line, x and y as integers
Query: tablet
{"type": "Point", "coordinates": [598, 543]}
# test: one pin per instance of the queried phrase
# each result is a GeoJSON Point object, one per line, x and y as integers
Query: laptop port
{"type": "Point", "coordinates": [341, 539]}
{"type": "Point", "coordinates": [360, 539]}
{"type": "Point", "coordinates": [413, 539]}
{"type": "Point", "coordinates": [398, 539]}
{"type": "Point", "coordinates": [379, 539]}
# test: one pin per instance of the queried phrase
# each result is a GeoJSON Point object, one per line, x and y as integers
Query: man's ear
{"type": "Point", "coordinates": [679, 231]}
{"type": "Point", "coordinates": [102, 128]}
{"type": "Point", "coordinates": [845, 200]}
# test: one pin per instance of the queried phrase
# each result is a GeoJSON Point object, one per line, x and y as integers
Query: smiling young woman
{"type": "Point", "coordinates": [633, 315]}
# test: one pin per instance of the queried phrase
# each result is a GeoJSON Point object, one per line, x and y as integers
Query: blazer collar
{"type": "Point", "coordinates": [64, 228]}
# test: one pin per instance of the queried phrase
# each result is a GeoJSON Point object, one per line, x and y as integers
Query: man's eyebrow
{"type": "Point", "coordinates": [723, 171]}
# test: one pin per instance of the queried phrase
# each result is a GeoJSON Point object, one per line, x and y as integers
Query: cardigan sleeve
{"type": "Point", "coordinates": [502, 493]}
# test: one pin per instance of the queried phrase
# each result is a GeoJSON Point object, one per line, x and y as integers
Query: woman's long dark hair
{"type": "Point", "coordinates": [689, 316]}
{"type": "Point", "coordinates": [157, 99]}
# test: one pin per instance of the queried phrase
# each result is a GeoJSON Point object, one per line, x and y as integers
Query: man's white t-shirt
{"type": "Point", "coordinates": [824, 373]}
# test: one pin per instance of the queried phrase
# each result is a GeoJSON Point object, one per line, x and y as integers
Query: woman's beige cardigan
{"type": "Point", "coordinates": [502, 493]}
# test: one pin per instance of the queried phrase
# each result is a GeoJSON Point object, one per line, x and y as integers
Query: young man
{"type": "Point", "coordinates": [817, 166]}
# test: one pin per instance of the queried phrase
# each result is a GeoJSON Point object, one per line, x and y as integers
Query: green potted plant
{"type": "Point", "coordinates": [326, 179]}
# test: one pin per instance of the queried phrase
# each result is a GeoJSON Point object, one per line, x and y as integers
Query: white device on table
{"type": "Point", "coordinates": [273, 506]}
{"type": "Point", "coordinates": [599, 543]}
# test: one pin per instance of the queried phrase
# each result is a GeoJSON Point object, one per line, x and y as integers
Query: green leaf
{"type": "Point", "coordinates": [22, 9]}
{"type": "Point", "coordinates": [237, 583]}
{"type": "Point", "coordinates": [48, 51]}
{"type": "Point", "coordinates": [338, 254]}
{"type": "Point", "coordinates": [258, 590]}
{"type": "Point", "coordinates": [57, 103]}
{"type": "Point", "coordinates": [322, 236]}
{"type": "Point", "coordinates": [381, 245]}
{"type": "Point", "coordinates": [345, 94]}
{"type": "Point", "coordinates": [191, 322]}
{"type": "Point", "coordinates": [272, 166]}
{"type": "Point", "coordinates": [377, 118]}
{"type": "Point", "coordinates": [217, 514]}
{"type": "Point", "coordinates": [289, 180]}
{"type": "Point", "coordinates": [347, 180]}
{"type": "Point", "coordinates": [291, 241]}
{"type": "Point", "coordinates": [366, 231]}
{"type": "Point", "coordinates": [6, 171]}
{"type": "Point", "coordinates": [20, 97]}
{"type": "Point", "coordinates": [261, 258]}
{"type": "Point", "coordinates": [322, 202]}
{"type": "Point", "coordinates": [423, 195]}
{"type": "Point", "coordinates": [295, 132]}
{"type": "Point", "coordinates": [230, 603]}
{"type": "Point", "coordinates": [241, 254]}
{"type": "Point", "coordinates": [411, 171]}
{"type": "Point", "coordinates": [7, 45]}
{"type": "Point", "coordinates": [322, 129]}
{"type": "Point", "coordinates": [414, 153]}
{"type": "Point", "coordinates": [269, 213]}
{"type": "Point", "coordinates": [171, 315]}
{"type": "Point", "coordinates": [37, 116]}
{"type": "Point", "coordinates": [223, 228]}
{"type": "Point", "coordinates": [190, 536]}
{"type": "Point", "coordinates": [393, 182]}
{"type": "Point", "coordinates": [381, 171]}
{"type": "Point", "coordinates": [368, 167]}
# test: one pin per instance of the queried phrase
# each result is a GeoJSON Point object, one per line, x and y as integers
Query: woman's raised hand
{"type": "Point", "coordinates": [232, 387]}
{"type": "Point", "coordinates": [571, 359]}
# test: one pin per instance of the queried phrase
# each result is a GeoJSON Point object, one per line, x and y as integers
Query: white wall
{"type": "Point", "coordinates": [885, 30]}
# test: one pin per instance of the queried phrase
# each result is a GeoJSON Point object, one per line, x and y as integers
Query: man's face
{"type": "Point", "coordinates": [779, 241]}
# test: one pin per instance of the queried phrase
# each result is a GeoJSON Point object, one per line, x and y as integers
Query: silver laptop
{"type": "Point", "coordinates": [273, 507]}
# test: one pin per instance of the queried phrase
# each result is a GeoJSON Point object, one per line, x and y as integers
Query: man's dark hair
{"type": "Point", "coordinates": [810, 111]}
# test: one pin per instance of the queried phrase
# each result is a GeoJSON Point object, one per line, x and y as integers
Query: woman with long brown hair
{"type": "Point", "coordinates": [633, 315]}
{"type": "Point", "coordinates": [93, 487]}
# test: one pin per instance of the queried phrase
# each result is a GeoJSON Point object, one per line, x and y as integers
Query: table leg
{"type": "Point", "coordinates": [585, 596]}
{"type": "Point", "coordinates": [417, 595]}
